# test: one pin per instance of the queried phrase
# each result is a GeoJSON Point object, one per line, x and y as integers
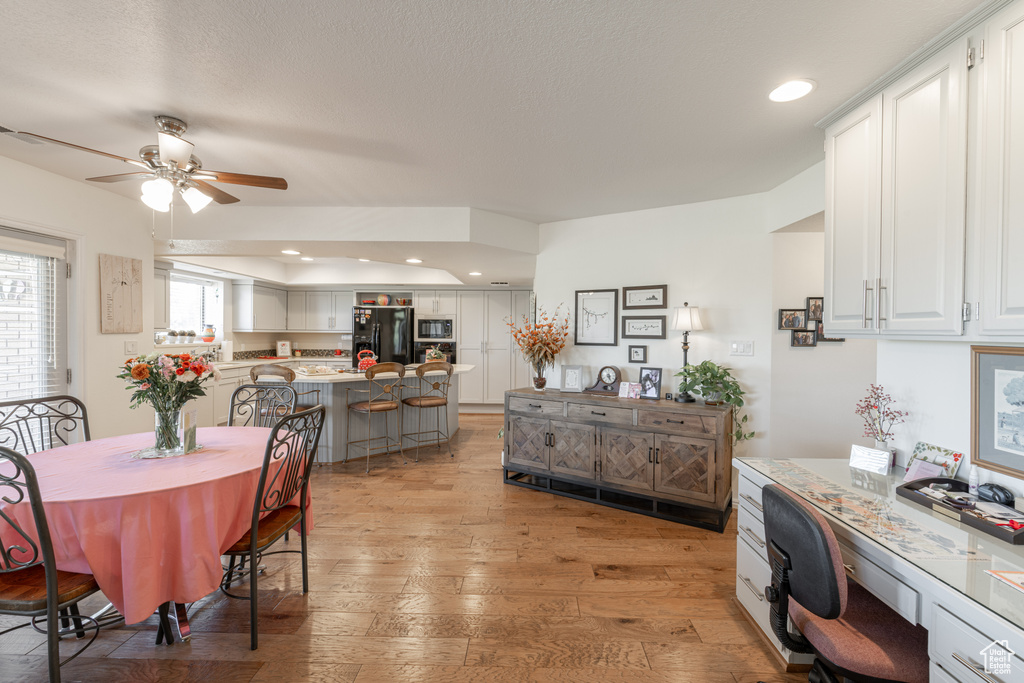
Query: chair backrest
{"type": "Point", "coordinates": [260, 405]}
{"type": "Point", "coordinates": [271, 370]}
{"type": "Point", "coordinates": [801, 542]}
{"type": "Point", "coordinates": [18, 547]}
{"type": "Point", "coordinates": [385, 388]}
{"type": "Point", "coordinates": [435, 385]}
{"type": "Point", "coordinates": [33, 425]}
{"type": "Point", "coordinates": [288, 461]}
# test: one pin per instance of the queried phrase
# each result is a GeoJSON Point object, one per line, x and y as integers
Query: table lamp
{"type": "Point", "coordinates": [687, 319]}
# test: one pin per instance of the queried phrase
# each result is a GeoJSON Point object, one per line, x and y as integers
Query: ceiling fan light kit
{"type": "Point", "coordinates": [170, 165]}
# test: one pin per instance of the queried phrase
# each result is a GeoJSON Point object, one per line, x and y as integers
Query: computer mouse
{"type": "Point", "coordinates": [996, 494]}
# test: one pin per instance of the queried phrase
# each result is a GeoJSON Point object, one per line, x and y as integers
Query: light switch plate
{"type": "Point", "coordinates": [131, 347]}
{"type": "Point", "coordinates": [741, 347]}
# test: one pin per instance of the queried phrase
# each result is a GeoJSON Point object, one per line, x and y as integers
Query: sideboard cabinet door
{"type": "Point", "coordinates": [573, 447]}
{"type": "Point", "coordinates": [627, 459]}
{"type": "Point", "coordinates": [685, 467]}
{"type": "Point", "coordinates": [528, 439]}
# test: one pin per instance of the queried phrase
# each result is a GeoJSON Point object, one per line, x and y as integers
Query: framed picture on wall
{"type": "Point", "coordinates": [643, 327]}
{"type": "Point", "coordinates": [637, 354]}
{"type": "Point", "coordinates": [819, 329]}
{"type": "Point", "coordinates": [572, 378]}
{"type": "Point", "coordinates": [997, 397]}
{"type": "Point", "coordinates": [815, 306]}
{"type": "Point", "coordinates": [597, 312]}
{"type": "Point", "coordinates": [649, 296]}
{"type": "Point", "coordinates": [650, 383]}
{"type": "Point", "coordinates": [792, 319]}
{"type": "Point", "coordinates": [804, 338]}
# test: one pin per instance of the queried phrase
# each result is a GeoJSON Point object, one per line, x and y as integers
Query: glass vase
{"type": "Point", "coordinates": [168, 437]}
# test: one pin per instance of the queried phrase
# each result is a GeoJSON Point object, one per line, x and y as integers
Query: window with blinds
{"type": "Point", "coordinates": [33, 315]}
{"type": "Point", "coordinates": [195, 303]}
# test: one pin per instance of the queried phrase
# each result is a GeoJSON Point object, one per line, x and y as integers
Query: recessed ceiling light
{"type": "Point", "coordinates": [792, 90]}
{"type": "Point", "coordinates": [365, 260]}
{"type": "Point", "coordinates": [306, 258]}
{"type": "Point", "coordinates": [290, 252]}
{"type": "Point", "coordinates": [474, 273]}
{"type": "Point", "coordinates": [413, 260]}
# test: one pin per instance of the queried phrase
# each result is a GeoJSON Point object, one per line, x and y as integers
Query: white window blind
{"type": "Point", "coordinates": [195, 303]}
{"type": "Point", "coordinates": [33, 315]}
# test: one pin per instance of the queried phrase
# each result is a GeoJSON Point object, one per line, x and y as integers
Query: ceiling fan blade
{"type": "Point", "coordinates": [174, 150]}
{"type": "Point", "coordinates": [219, 196]}
{"type": "Point", "coordinates": [138, 175]}
{"type": "Point", "coordinates": [134, 162]}
{"type": "Point", "coordinates": [243, 179]}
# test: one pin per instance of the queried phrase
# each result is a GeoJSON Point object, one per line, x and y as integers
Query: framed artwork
{"type": "Point", "coordinates": [637, 354]}
{"type": "Point", "coordinates": [650, 296]}
{"type": "Point", "coordinates": [650, 383]}
{"type": "Point", "coordinates": [997, 396]}
{"type": "Point", "coordinates": [572, 378]}
{"type": "Point", "coordinates": [815, 306]}
{"type": "Point", "coordinates": [597, 311]}
{"type": "Point", "coordinates": [792, 319]}
{"type": "Point", "coordinates": [804, 338]}
{"type": "Point", "coordinates": [643, 327]}
{"type": "Point", "coordinates": [120, 294]}
{"type": "Point", "coordinates": [819, 329]}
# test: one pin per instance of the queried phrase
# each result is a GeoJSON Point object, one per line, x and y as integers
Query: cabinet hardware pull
{"type": "Point", "coordinates": [678, 422]}
{"type": "Point", "coordinates": [972, 666]}
{"type": "Point", "coordinates": [850, 568]}
{"type": "Point", "coordinates": [536, 405]}
{"type": "Point", "coordinates": [864, 308]}
{"type": "Point", "coordinates": [657, 454]}
{"type": "Point", "coordinates": [594, 412]}
{"type": "Point", "coordinates": [750, 585]}
{"type": "Point", "coordinates": [760, 508]}
{"type": "Point", "coordinates": [754, 536]}
{"type": "Point", "coordinates": [650, 452]}
{"type": "Point", "coordinates": [878, 308]}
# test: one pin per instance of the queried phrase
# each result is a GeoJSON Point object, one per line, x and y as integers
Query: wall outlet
{"type": "Point", "coordinates": [131, 347]}
{"type": "Point", "coordinates": [741, 348]}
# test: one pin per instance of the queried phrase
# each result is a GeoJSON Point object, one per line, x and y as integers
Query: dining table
{"type": "Point", "coordinates": [151, 531]}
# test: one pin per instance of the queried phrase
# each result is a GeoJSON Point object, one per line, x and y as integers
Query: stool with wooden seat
{"type": "Point", "coordinates": [281, 373]}
{"type": "Point", "coordinates": [383, 397]}
{"type": "Point", "coordinates": [433, 394]}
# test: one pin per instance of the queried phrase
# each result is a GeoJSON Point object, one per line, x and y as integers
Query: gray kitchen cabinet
{"type": "Point", "coordinates": [485, 342]}
{"type": "Point", "coordinates": [297, 311]}
{"type": "Point", "coordinates": [428, 302]}
{"type": "Point", "coordinates": [258, 308]}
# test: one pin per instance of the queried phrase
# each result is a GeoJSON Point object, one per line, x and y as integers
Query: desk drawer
{"type": "Point", "coordinates": [536, 406]}
{"type": "Point", "coordinates": [750, 498]}
{"type": "Point", "coordinates": [902, 598]}
{"type": "Point", "coordinates": [595, 413]}
{"type": "Point", "coordinates": [679, 423]}
{"type": "Point", "coordinates": [957, 648]}
{"type": "Point", "coordinates": [752, 575]}
{"type": "Point", "coordinates": [751, 530]}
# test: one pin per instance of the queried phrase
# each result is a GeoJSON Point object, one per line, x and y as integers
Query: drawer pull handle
{"type": "Point", "coordinates": [594, 412]}
{"type": "Point", "coordinates": [973, 667]}
{"type": "Point", "coordinates": [757, 593]}
{"type": "Point", "coordinates": [850, 568]}
{"type": "Point", "coordinates": [750, 533]}
{"type": "Point", "coordinates": [678, 422]}
{"type": "Point", "coordinates": [536, 405]}
{"type": "Point", "coordinates": [760, 508]}
{"type": "Point", "coordinates": [657, 454]}
{"type": "Point", "coordinates": [650, 451]}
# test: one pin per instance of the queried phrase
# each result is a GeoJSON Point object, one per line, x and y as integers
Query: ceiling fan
{"type": "Point", "coordinates": [169, 166]}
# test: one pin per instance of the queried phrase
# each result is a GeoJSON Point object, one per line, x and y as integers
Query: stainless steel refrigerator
{"type": "Point", "coordinates": [387, 331]}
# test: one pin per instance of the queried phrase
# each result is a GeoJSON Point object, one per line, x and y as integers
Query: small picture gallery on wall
{"type": "Point", "coordinates": [805, 325]}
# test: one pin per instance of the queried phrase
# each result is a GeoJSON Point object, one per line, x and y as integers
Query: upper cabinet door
{"type": "Point", "coordinates": [343, 303]}
{"type": "Point", "coordinates": [320, 311]}
{"type": "Point", "coordinates": [297, 311]}
{"type": "Point", "coordinates": [853, 148]}
{"type": "Point", "coordinates": [924, 181]}
{"type": "Point", "coordinates": [447, 303]}
{"type": "Point", "coordinates": [1002, 222]}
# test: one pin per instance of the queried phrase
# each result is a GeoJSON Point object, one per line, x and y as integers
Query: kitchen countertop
{"type": "Point", "coordinates": [458, 368]}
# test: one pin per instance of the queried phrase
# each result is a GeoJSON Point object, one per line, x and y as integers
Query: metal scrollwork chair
{"type": "Point", "coordinates": [260, 405]}
{"type": "Point", "coordinates": [37, 424]}
{"type": "Point", "coordinates": [382, 396]}
{"type": "Point", "coordinates": [433, 394]}
{"type": "Point", "coordinates": [280, 502]}
{"type": "Point", "coordinates": [30, 584]}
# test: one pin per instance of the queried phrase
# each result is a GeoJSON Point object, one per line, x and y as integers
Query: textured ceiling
{"type": "Point", "coordinates": [533, 108]}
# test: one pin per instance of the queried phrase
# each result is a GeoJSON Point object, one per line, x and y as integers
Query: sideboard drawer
{"type": "Point", "coordinates": [903, 599]}
{"type": "Point", "coordinates": [535, 406]}
{"type": "Point", "coordinates": [958, 648]}
{"type": "Point", "coordinates": [596, 413]}
{"type": "Point", "coordinates": [675, 422]}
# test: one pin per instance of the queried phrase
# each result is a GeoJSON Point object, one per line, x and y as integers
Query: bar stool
{"type": "Point", "coordinates": [433, 394]}
{"type": "Point", "coordinates": [286, 375]}
{"type": "Point", "coordinates": [382, 397]}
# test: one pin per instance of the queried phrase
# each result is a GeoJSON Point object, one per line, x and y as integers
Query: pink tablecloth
{"type": "Point", "coordinates": [150, 531]}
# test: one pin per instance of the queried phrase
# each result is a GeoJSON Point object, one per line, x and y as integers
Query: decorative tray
{"type": "Point", "coordinates": [909, 491]}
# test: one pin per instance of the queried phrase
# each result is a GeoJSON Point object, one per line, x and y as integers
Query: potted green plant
{"type": "Point", "coordinates": [716, 385]}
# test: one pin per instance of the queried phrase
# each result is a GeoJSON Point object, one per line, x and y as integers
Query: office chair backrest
{"type": "Point", "coordinates": [801, 541]}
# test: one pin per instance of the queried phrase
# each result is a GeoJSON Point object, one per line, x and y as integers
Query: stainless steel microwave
{"type": "Point", "coordinates": [437, 328]}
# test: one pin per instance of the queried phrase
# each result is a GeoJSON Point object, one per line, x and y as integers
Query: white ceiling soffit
{"type": "Point", "coordinates": [530, 108]}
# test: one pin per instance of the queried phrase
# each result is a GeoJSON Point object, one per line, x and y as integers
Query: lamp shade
{"type": "Point", "coordinates": [687, 319]}
{"type": "Point", "coordinates": [157, 194]}
{"type": "Point", "coordinates": [195, 199]}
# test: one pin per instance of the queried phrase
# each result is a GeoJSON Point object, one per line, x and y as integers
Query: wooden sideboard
{"type": "Point", "coordinates": [655, 457]}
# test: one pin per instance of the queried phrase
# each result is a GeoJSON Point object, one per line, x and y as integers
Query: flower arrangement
{"type": "Point", "coordinates": [879, 415]}
{"type": "Point", "coordinates": [167, 382]}
{"type": "Point", "coordinates": [541, 341]}
{"type": "Point", "coordinates": [434, 353]}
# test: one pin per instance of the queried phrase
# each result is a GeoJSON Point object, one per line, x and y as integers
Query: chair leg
{"type": "Point", "coordinates": [164, 628]}
{"type": "Point", "coordinates": [398, 427]}
{"type": "Point", "coordinates": [254, 599]}
{"type": "Point", "coordinates": [226, 581]}
{"type": "Point", "coordinates": [52, 641]}
{"type": "Point", "coordinates": [369, 429]}
{"type": "Point", "coordinates": [305, 562]}
{"type": "Point", "coordinates": [76, 620]}
{"type": "Point", "coordinates": [65, 622]}
{"type": "Point", "coordinates": [419, 431]}
{"type": "Point", "coordinates": [447, 435]}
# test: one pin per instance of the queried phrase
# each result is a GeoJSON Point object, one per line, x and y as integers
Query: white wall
{"type": "Point", "coordinates": [716, 255]}
{"type": "Point", "coordinates": [103, 222]}
{"type": "Point", "coordinates": [813, 390]}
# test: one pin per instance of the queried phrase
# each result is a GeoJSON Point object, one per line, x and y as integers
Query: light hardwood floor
{"type": "Point", "coordinates": [437, 571]}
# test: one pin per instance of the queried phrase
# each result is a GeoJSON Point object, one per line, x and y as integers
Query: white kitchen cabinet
{"type": "Point", "coordinates": [895, 228]}
{"type": "Point", "coordinates": [470, 348]}
{"type": "Point", "coordinates": [297, 311]}
{"type": "Point", "coordinates": [258, 308]}
{"type": "Point", "coordinates": [343, 303]}
{"type": "Point", "coordinates": [320, 311]}
{"type": "Point", "coordinates": [484, 341]}
{"type": "Point", "coordinates": [1002, 199]}
{"type": "Point", "coordinates": [522, 373]}
{"type": "Point", "coordinates": [429, 302]}
{"type": "Point", "coordinates": [161, 299]}
{"type": "Point", "coordinates": [222, 390]}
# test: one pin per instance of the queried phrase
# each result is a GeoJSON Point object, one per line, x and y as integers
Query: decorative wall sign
{"type": "Point", "coordinates": [638, 354]}
{"type": "Point", "coordinates": [650, 296]}
{"type": "Point", "coordinates": [597, 314]}
{"type": "Point", "coordinates": [997, 397]}
{"type": "Point", "coordinates": [120, 294]}
{"type": "Point", "coordinates": [643, 327]}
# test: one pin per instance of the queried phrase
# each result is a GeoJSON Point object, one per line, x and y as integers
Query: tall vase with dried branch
{"type": "Point", "coordinates": [541, 341]}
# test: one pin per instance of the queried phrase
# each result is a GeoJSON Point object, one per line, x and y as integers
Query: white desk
{"type": "Point", "coordinates": [922, 564]}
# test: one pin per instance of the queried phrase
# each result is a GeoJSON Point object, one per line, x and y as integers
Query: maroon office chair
{"type": "Point", "coordinates": [852, 633]}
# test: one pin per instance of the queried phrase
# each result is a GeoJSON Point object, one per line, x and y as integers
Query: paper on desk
{"type": "Point", "coordinates": [1015, 579]}
{"type": "Point", "coordinates": [922, 469]}
{"type": "Point", "coordinates": [998, 510]}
